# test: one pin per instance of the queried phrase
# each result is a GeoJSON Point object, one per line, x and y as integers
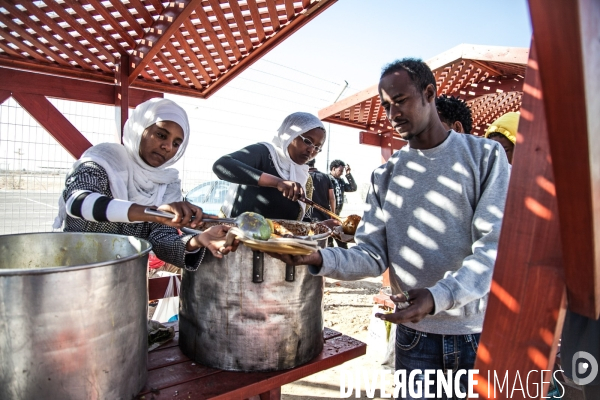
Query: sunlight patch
{"type": "Point", "coordinates": [370, 228]}
{"type": "Point", "coordinates": [415, 167]}
{"type": "Point", "coordinates": [262, 199]}
{"type": "Point", "coordinates": [476, 266]}
{"type": "Point", "coordinates": [495, 211]}
{"type": "Point", "coordinates": [394, 199]}
{"type": "Point", "coordinates": [442, 202]}
{"type": "Point", "coordinates": [403, 181]}
{"type": "Point", "coordinates": [412, 257]}
{"type": "Point", "coordinates": [450, 184]}
{"type": "Point", "coordinates": [421, 238]}
{"type": "Point", "coordinates": [483, 225]}
{"type": "Point", "coordinates": [430, 220]}
{"type": "Point", "coordinates": [457, 167]}
{"type": "Point", "coordinates": [405, 277]}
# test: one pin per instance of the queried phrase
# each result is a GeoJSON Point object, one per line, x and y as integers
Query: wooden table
{"type": "Point", "coordinates": [173, 376]}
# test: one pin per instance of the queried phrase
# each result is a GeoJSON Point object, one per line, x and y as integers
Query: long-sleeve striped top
{"type": "Point", "coordinates": [92, 208]}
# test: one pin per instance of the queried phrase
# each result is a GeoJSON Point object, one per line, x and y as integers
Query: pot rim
{"type": "Point", "coordinates": [46, 270]}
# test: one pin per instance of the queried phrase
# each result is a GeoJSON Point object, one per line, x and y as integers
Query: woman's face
{"type": "Point", "coordinates": [301, 150]}
{"type": "Point", "coordinates": [160, 142]}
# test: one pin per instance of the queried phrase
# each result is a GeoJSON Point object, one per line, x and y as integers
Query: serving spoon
{"type": "Point", "coordinates": [349, 224]}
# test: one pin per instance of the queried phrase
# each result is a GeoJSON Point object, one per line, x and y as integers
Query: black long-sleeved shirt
{"type": "Point", "coordinates": [245, 167]}
{"type": "Point", "coordinates": [166, 242]}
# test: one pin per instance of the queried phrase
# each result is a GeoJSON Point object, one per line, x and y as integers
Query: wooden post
{"type": "Point", "coordinates": [122, 93]}
{"type": "Point", "coordinates": [569, 59]}
{"type": "Point", "coordinates": [527, 299]}
{"type": "Point", "coordinates": [54, 122]}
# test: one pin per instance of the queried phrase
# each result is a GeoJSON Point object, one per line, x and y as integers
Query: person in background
{"type": "Point", "coordinates": [454, 113]}
{"type": "Point", "coordinates": [109, 187]}
{"type": "Point", "coordinates": [322, 193]}
{"type": "Point", "coordinates": [504, 131]}
{"type": "Point", "coordinates": [268, 178]}
{"type": "Point", "coordinates": [433, 218]}
{"type": "Point", "coordinates": [340, 186]}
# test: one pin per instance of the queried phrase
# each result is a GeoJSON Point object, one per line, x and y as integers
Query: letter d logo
{"type": "Point", "coordinates": [582, 368]}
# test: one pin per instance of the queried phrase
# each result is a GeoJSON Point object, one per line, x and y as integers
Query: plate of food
{"type": "Point", "coordinates": [287, 237]}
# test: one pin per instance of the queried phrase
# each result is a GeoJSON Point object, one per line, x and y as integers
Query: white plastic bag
{"type": "Point", "coordinates": [381, 341]}
{"type": "Point", "coordinates": [167, 309]}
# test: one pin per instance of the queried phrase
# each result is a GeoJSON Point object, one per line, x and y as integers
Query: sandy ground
{"type": "Point", "coordinates": [348, 307]}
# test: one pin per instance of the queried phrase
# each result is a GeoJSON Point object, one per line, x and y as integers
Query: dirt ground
{"type": "Point", "coordinates": [348, 307]}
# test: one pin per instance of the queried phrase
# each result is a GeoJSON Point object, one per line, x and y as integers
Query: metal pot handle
{"type": "Point", "coordinates": [290, 273]}
{"type": "Point", "coordinates": [258, 266]}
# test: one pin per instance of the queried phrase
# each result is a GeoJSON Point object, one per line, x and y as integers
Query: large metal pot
{"type": "Point", "coordinates": [73, 316]}
{"type": "Point", "coordinates": [249, 312]}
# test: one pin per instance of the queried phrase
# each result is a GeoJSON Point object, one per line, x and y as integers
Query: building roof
{"type": "Point", "coordinates": [187, 47]}
{"type": "Point", "coordinates": [489, 78]}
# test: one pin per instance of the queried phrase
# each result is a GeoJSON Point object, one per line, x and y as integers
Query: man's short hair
{"type": "Point", "coordinates": [452, 109]}
{"type": "Point", "coordinates": [419, 72]}
{"type": "Point", "coordinates": [336, 163]}
{"type": "Point", "coordinates": [311, 163]}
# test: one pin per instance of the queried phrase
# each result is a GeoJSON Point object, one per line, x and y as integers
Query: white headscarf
{"type": "Point", "coordinates": [130, 178]}
{"type": "Point", "coordinates": [292, 126]}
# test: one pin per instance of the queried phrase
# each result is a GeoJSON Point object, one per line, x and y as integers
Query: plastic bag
{"type": "Point", "coordinates": [381, 341]}
{"type": "Point", "coordinates": [167, 309]}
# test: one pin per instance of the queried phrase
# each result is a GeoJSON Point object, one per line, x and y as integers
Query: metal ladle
{"type": "Point", "coordinates": [349, 224]}
{"type": "Point", "coordinates": [251, 224]}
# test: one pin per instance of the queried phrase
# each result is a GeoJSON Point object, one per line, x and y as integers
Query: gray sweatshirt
{"type": "Point", "coordinates": [433, 217]}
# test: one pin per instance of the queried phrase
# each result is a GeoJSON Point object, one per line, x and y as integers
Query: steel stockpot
{"type": "Point", "coordinates": [73, 316]}
{"type": "Point", "coordinates": [250, 312]}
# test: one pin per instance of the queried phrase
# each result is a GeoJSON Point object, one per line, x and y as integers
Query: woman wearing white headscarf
{"type": "Point", "coordinates": [109, 187]}
{"type": "Point", "coordinates": [269, 178]}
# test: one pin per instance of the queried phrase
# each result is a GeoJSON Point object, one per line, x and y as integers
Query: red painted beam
{"type": "Point", "coordinates": [386, 140]}
{"type": "Point", "coordinates": [54, 122]}
{"type": "Point", "coordinates": [122, 92]}
{"type": "Point", "coordinates": [4, 95]}
{"type": "Point", "coordinates": [569, 59]}
{"type": "Point", "coordinates": [527, 299]}
{"type": "Point", "coordinates": [68, 88]}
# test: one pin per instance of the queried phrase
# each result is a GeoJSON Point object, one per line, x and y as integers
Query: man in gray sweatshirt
{"type": "Point", "coordinates": [433, 218]}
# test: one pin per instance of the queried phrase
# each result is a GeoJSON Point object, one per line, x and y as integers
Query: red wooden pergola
{"type": "Point", "coordinates": [489, 78]}
{"type": "Point", "coordinates": [549, 250]}
{"type": "Point", "coordinates": [123, 53]}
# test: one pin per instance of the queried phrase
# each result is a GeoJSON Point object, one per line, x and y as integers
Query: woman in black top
{"type": "Point", "coordinates": [111, 184]}
{"type": "Point", "coordinates": [269, 178]}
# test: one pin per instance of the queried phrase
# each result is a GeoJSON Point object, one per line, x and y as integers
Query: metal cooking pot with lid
{"type": "Point", "coordinates": [250, 312]}
{"type": "Point", "coordinates": [73, 316]}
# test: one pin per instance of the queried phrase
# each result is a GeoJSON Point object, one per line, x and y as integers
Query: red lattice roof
{"type": "Point", "coordinates": [189, 47]}
{"type": "Point", "coordinates": [489, 78]}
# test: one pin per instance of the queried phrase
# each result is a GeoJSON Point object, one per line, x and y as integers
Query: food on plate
{"type": "Point", "coordinates": [280, 230]}
{"type": "Point", "coordinates": [286, 228]}
{"type": "Point", "coordinates": [276, 228]}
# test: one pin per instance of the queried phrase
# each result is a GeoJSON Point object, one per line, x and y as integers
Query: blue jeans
{"type": "Point", "coordinates": [421, 350]}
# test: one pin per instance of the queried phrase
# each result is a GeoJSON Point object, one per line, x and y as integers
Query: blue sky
{"type": "Point", "coordinates": [353, 39]}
